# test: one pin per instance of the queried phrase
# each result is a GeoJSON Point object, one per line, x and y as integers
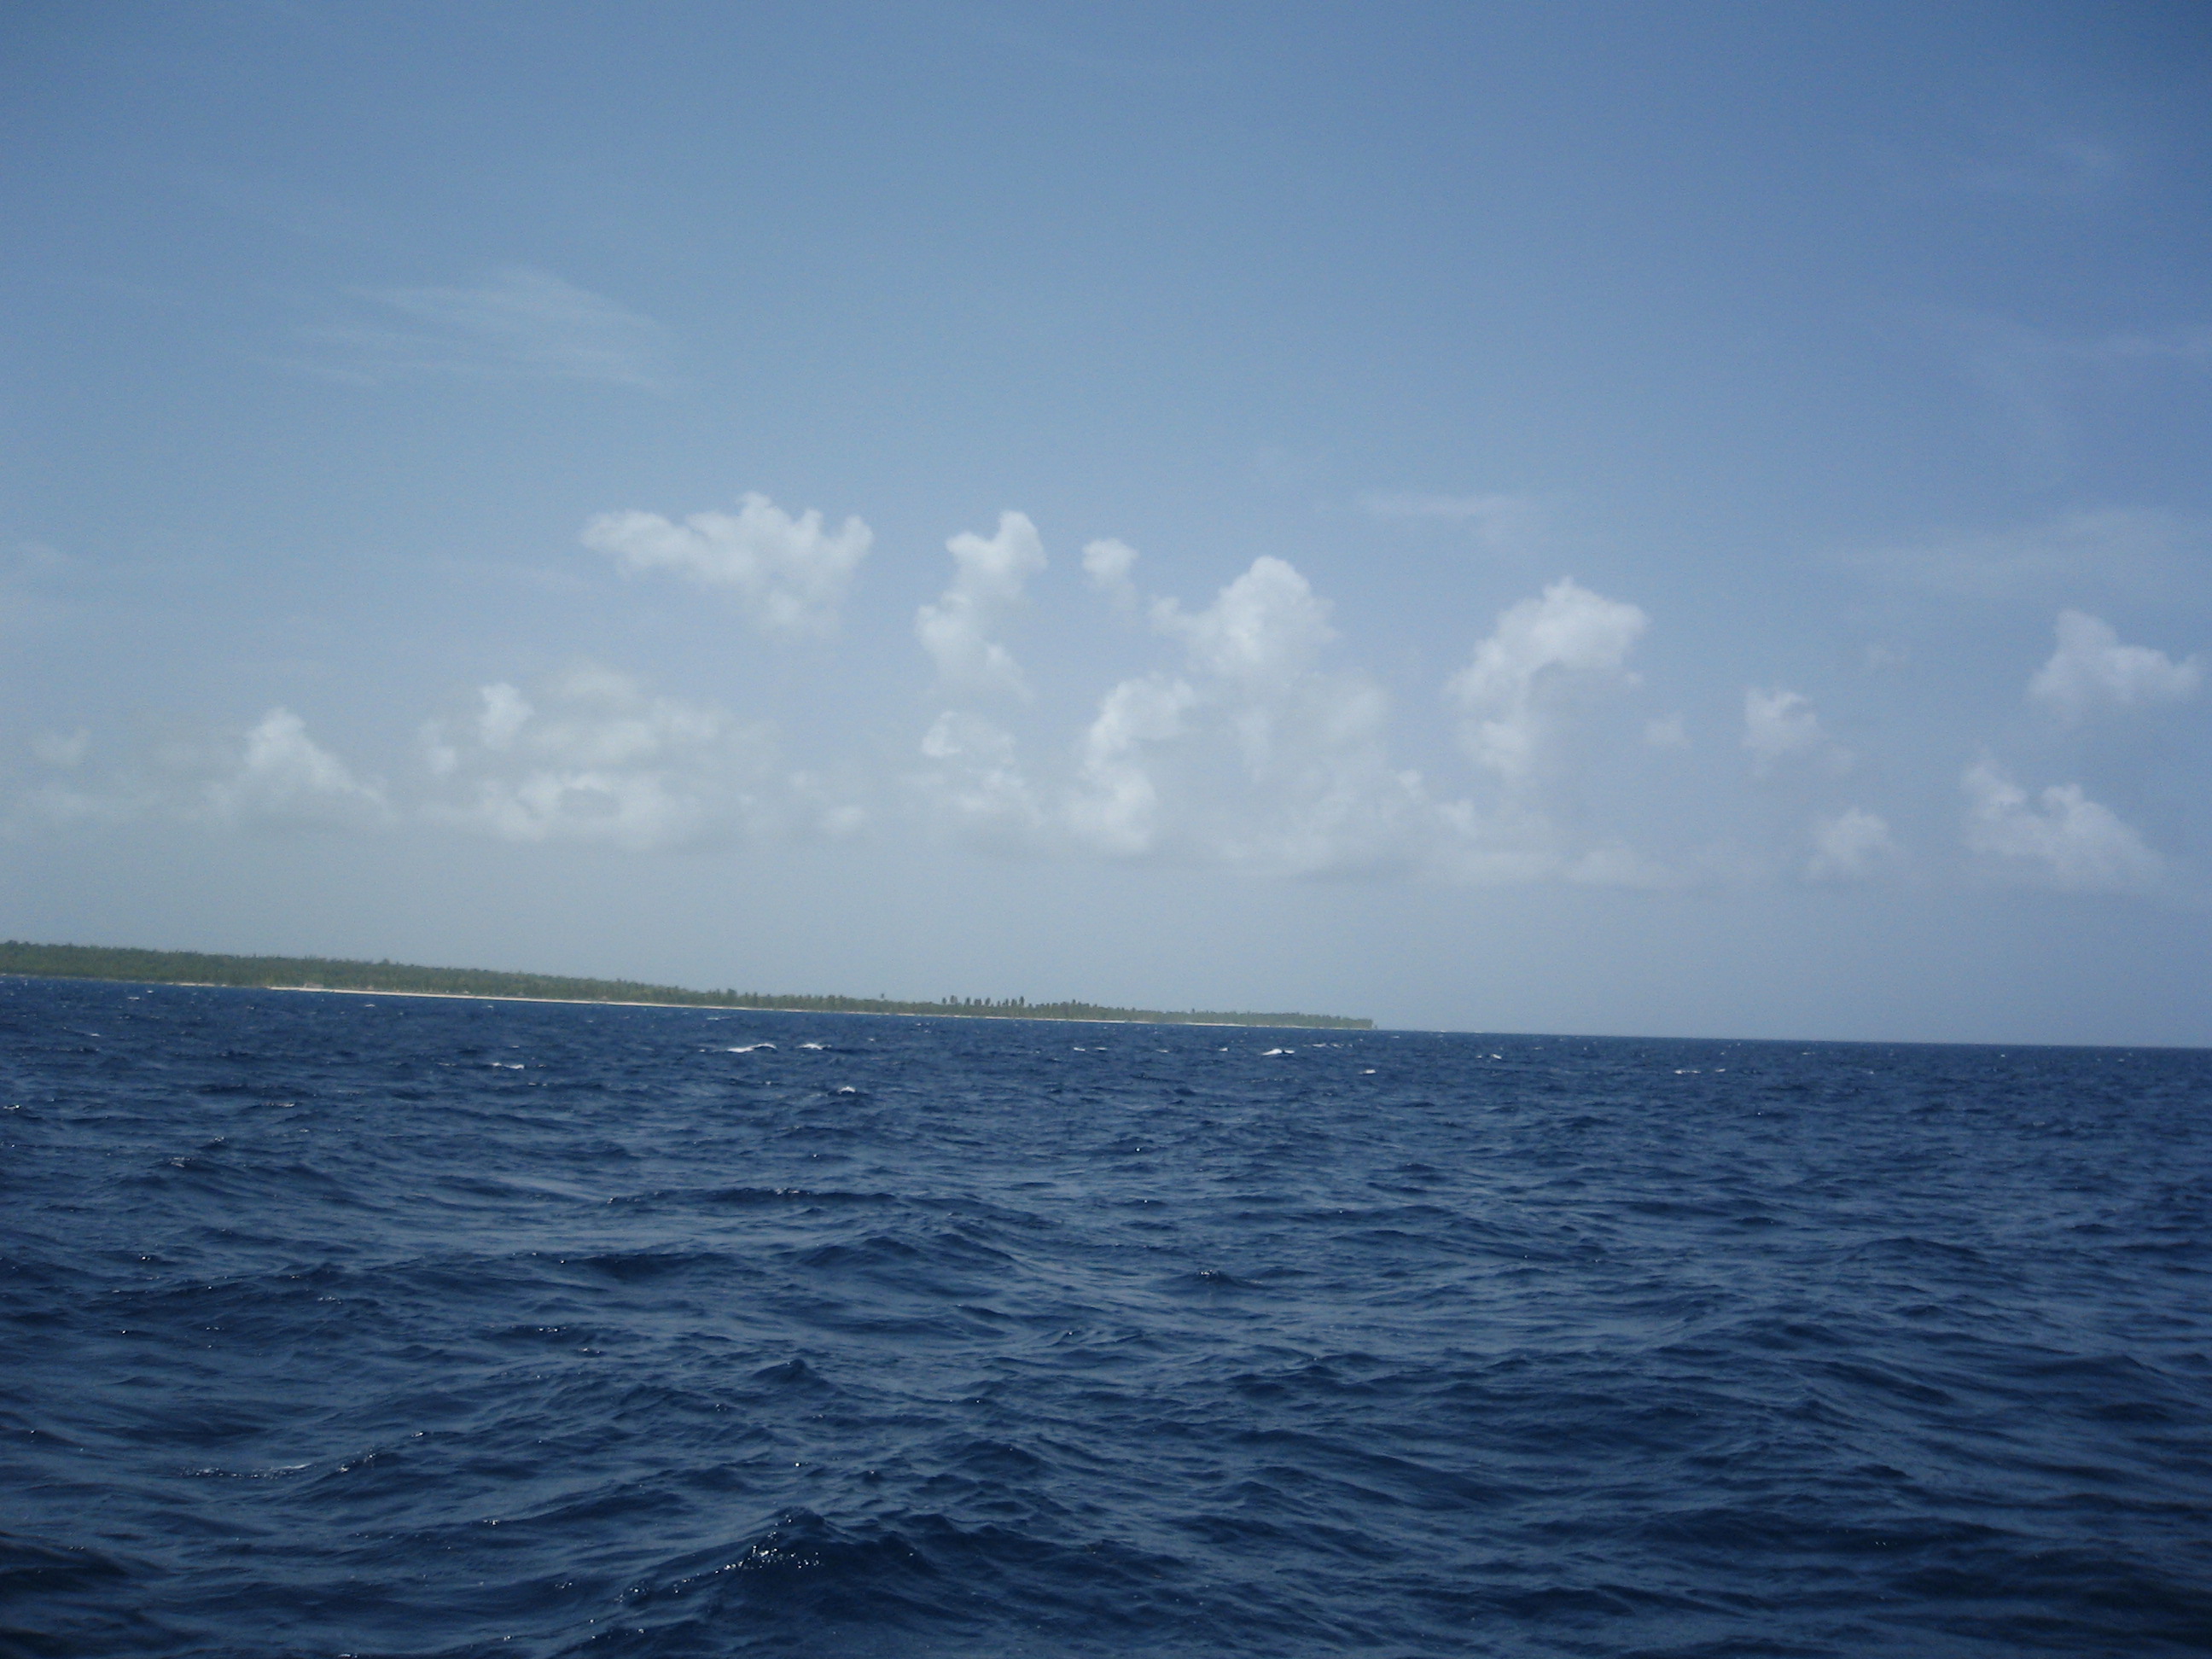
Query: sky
{"type": "Point", "coordinates": [1555, 517]}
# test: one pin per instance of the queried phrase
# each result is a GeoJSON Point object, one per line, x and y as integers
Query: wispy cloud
{"type": "Point", "coordinates": [2048, 163]}
{"type": "Point", "coordinates": [519, 323]}
{"type": "Point", "coordinates": [2035, 378]}
{"type": "Point", "coordinates": [1501, 523]}
{"type": "Point", "coordinates": [1849, 846]}
{"type": "Point", "coordinates": [2017, 149]}
{"type": "Point", "coordinates": [2138, 549]}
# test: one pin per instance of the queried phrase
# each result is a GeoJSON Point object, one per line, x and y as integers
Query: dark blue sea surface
{"type": "Point", "coordinates": [391, 1326]}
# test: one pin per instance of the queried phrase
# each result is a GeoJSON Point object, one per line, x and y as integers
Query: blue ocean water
{"type": "Point", "coordinates": [368, 1325]}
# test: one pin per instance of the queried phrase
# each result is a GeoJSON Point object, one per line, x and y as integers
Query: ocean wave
{"type": "Point", "coordinates": [330, 1331]}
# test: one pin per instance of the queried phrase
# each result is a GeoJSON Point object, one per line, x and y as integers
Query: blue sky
{"type": "Point", "coordinates": [1610, 518]}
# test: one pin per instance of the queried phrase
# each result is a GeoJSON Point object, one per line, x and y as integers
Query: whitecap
{"type": "Point", "coordinates": [748, 1048]}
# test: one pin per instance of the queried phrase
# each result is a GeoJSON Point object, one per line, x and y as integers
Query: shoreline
{"type": "Point", "coordinates": [123, 964]}
{"type": "Point", "coordinates": [701, 1007]}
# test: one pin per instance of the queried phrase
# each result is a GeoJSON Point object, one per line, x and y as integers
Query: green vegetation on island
{"type": "Point", "coordinates": [327, 974]}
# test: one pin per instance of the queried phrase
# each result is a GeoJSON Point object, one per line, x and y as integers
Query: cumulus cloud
{"type": "Point", "coordinates": [791, 575]}
{"type": "Point", "coordinates": [1259, 757]}
{"type": "Point", "coordinates": [2062, 839]}
{"type": "Point", "coordinates": [1261, 629]}
{"type": "Point", "coordinates": [1523, 702]}
{"type": "Point", "coordinates": [1254, 757]}
{"type": "Point", "coordinates": [597, 759]}
{"type": "Point", "coordinates": [1779, 724]}
{"type": "Point", "coordinates": [988, 576]}
{"type": "Point", "coordinates": [285, 777]}
{"type": "Point", "coordinates": [271, 776]}
{"type": "Point", "coordinates": [1116, 806]}
{"type": "Point", "coordinates": [518, 322]}
{"type": "Point", "coordinates": [2091, 671]}
{"type": "Point", "coordinates": [1540, 648]}
{"type": "Point", "coordinates": [1850, 845]}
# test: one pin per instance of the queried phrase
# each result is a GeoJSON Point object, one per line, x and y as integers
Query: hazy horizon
{"type": "Point", "coordinates": [1581, 519]}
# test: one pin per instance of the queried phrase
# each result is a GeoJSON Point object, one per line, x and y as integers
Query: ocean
{"type": "Point", "coordinates": [374, 1325]}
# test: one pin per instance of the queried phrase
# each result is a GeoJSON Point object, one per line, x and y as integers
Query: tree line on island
{"type": "Point", "coordinates": [331, 974]}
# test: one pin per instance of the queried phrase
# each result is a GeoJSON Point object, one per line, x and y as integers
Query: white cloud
{"type": "Point", "coordinates": [1850, 845]}
{"type": "Point", "coordinates": [518, 322]}
{"type": "Point", "coordinates": [988, 576]}
{"type": "Point", "coordinates": [285, 777]}
{"type": "Point", "coordinates": [1780, 724]}
{"type": "Point", "coordinates": [1667, 733]}
{"type": "Point", "coordinates": [2092, 670]}
{"type": "Point", "coordinates": [1521, 699]}
{"type": "Point", "coordinates": [1253, 756]}
{"type": "Point", "coordinates": [602, 760]}
{"type": "Point", "coordinates": [790, 574]}
{"type": "Point", "coordinates": [272, 776]}
{"type": "Point", "coordinates": [1117, 806]}
{"type": "Point", "coordinates": [2063, 840]}
{"type": "Point", "coordinates": [506, 711]}
{"type": "Point", "coordinates": [1107, 563]}
{"type": "Point", "coordinates": [1261, 629]}
{"type": "Point", "coordinates": [1256, 758]}
{"type": "Point", "coordinates": [1503, 524]}
{"type": "Point", "coordinates": [1538, 648]}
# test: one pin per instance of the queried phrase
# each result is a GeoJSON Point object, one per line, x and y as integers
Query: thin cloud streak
{"type": "Point", "coordinates": [519, 323]}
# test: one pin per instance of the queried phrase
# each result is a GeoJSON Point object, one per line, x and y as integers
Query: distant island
{"type": "Point", "coordinates": [397, 978]}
